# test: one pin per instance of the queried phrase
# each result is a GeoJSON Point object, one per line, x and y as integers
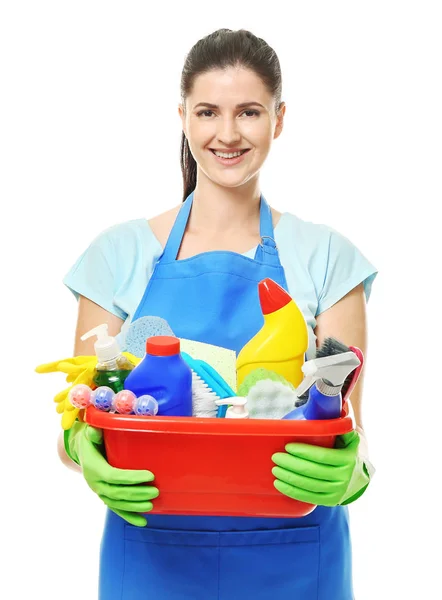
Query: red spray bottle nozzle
{"type": "Point", "coordinates": [272, 296]}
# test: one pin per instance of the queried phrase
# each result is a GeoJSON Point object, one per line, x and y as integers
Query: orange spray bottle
{"type": "Point", "coordinates": [280, 345]}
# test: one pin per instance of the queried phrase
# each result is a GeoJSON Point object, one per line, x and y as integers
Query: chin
{"type": "Point", "coordinates": [232, 179]}
{"type": "Point", "coordinates": [230, 184]}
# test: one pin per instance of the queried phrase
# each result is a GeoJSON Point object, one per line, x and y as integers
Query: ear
{"type": "Point", "coordinates": [182, 116]}
{"type": "Point", "coordinates": [279, 120]}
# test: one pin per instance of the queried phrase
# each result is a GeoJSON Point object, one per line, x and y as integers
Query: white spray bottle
{"type": "Point", "coordinates": [324, 377]}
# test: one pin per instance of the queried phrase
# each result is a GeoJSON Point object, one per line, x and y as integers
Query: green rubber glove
{"type": "Point", "coordinates": [322, 476]}
{"type": "Point", "coordinates": [119, 489]}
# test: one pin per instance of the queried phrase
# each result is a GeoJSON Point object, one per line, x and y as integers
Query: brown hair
{"type": "Point", "coordinates": [221, 49]}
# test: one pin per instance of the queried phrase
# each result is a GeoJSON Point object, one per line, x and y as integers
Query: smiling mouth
{"type": "Point", "coordinates": [235, 153]}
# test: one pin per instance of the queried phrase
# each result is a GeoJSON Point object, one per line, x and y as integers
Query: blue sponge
{"type": "Point", "coordinates": [141, 329]}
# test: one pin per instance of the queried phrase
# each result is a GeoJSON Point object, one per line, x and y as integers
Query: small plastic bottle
{"type": "Point", "coordinates": [163, 374]}
{"type": "Point", "coordinates": [326, 377]}
{"type": "Point", "coordinates": [112, 367]}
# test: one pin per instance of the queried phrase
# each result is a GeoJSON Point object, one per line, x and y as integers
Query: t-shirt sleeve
{"type": "Point", "coordinates": [346, 267]}
{"type": "Point", "coordinates": [94, 275]}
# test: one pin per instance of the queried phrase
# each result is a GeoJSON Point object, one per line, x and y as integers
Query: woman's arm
{"type": "Point", "coordinates": [346, 321]}
{"type": "Point", "coordinates": [89, 315]}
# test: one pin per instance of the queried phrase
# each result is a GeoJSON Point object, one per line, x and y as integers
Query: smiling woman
{"type": "Point", "coordinates": [198, 266]}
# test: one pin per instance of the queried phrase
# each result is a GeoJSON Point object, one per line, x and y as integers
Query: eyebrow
{"type": "Point", "coordinates": [242, 105]}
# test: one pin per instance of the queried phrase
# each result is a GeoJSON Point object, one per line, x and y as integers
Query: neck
{"type": "Point", "coordinates": [217, 209]}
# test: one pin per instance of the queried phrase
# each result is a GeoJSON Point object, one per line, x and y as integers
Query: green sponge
{"type": "Point", "coordinates": [258, 375]}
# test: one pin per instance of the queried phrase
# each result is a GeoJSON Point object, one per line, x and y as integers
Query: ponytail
{"type": "Point", "coordinates": [188, 168]}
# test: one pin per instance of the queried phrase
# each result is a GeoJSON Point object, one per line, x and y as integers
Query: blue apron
{"type": "Point", "coordinates": [213, 298]}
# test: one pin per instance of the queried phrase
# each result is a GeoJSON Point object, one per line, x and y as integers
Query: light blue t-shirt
{"type": "Point", "coordinates": [320, 264]}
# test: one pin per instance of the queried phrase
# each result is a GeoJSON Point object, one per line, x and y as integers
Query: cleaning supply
{"type": "Point", "coordinates": [269, 399]}
{"type": "Point", "coordinates": [80, 395]}
{"type": "Point", "coordinates": [222, 360]}
{"type": "Point", "coordinates": [124, 402]}
{"type": "Point", "coordinates": [78, 369]}
{"type": "Point", "coordinates": [258, 375]}
{"type": "Point", "coordinates": [325, 378]}
{"type": "Point", "coordinates": [352, 380]}
{"type": "Point", "coordinates": [269, 395]}
{"type": "Point", "coordinates": [333, 346]}
{"type": "Point", "coordinates": [207, 387]}
{"type": "Point", "coordinates": [103, 397]}
{"type": "Point", "coordinates": [322, 476]}
{"type": "Point", "coordinates": [163, 374]}
{"type": "Point", "coordinates": [119, 489]}
{"type": "Point", "coordinates": [146, 406]}
{"type": "Point", "coordinates": [141, 329]}
{"type": "Point", "coordinates": [112, 367]}
{"type": "Point", "coordinates": [236, 407]}
{"type": "Point", "coordinates": [281, 343]}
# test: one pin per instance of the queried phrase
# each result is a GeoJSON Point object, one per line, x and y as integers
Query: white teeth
{"type": "Point", "coordinates": [225, 155]}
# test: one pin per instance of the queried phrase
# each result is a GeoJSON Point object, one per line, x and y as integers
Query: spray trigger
{"type": "Point", "coordinates": [334, 369]}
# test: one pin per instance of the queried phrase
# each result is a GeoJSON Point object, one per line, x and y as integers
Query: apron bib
{"type": "Point", "coordinates": [213, 297]}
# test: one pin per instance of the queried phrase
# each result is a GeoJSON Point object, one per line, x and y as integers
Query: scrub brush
{"type": "Point", "coordinates": [332, 346]}
{"type": "Point", "coordinates": [207, 387]}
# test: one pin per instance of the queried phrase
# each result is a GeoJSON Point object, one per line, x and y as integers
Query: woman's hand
{"type": "Point", "coordinates": [322, 476]}
{"type": "Point", "coordinates": [119, 489]}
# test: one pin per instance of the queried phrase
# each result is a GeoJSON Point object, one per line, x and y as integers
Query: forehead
{"type": "Point", "coordinates": [229, 86]}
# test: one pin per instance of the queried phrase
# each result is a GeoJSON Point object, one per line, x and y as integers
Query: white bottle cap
{"type": "Point", "coordinates": [237, 410]}
{"type": "Point", "coordinates": [106, 347]}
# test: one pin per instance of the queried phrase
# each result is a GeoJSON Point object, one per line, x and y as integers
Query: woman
{"type": "Point", "coordinates": [231, 112]}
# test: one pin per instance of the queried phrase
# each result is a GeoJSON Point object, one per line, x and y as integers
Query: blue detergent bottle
{"type": "Point", "coordinates": [164, 375]}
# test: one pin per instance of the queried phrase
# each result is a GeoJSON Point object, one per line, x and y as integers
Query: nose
{"type": "Point", "coordinates": [228, 131]}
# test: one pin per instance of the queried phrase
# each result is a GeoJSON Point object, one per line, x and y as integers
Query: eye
{"type": "Point", "coordinates": [204, 112]}
{"type": "Point", "coordinates": [253, 112]}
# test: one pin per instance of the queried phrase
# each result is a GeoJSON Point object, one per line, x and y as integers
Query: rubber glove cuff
{"type": "Point", "coordinates": [363, 471]}
{"type": "Point", "coordinates": [72, 440]}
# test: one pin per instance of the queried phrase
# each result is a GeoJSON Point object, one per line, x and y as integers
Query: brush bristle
{"type": "Point", "coordinates": [301, 400]}
{"type": "Point", "coordinates": [203, 398]}
{"type": "Point", "coordinates": [331, 346]}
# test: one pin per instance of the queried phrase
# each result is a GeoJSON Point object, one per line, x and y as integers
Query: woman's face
{"type": "Point", "coordinates": [230, 111]}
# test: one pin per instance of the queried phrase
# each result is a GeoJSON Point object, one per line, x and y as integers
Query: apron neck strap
{"type": "Point", "coordinates": [177, 233]}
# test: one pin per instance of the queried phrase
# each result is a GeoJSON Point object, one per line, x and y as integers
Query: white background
{"type": "Point", "coordinates": [90, 137]}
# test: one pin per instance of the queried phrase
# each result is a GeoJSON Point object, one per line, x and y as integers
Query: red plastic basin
{"type": "Point", "coordinates": [208, 466]}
